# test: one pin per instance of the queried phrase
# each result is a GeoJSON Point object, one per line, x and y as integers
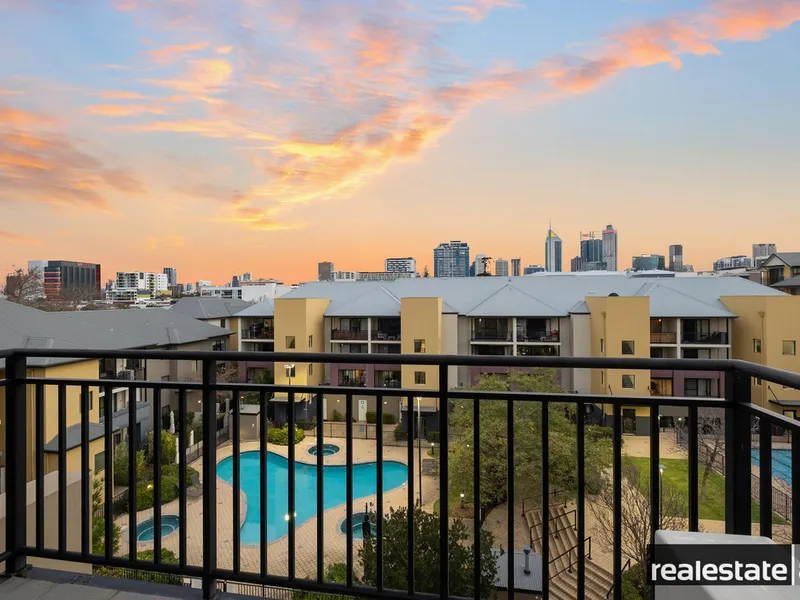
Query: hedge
{"type": "Point", "coordinates": [372, 417]}
{"type": "Point", "coordinates": [281, 436]}
{"type": "Point", "coordinates": [388, 419]}
{"type": "Point", "coordinates": [337, 416]}
{"type": "Point", "coordinates": [399, 434]}
{"type": "Point", "coordinates": [433, 436]}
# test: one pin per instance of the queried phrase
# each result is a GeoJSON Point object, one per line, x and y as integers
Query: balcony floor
{"type": "Point", "coordinates": [47, 588]}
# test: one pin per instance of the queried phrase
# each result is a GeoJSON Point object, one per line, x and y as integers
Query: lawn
{"type": "Point", "coordinates": [676, 473]}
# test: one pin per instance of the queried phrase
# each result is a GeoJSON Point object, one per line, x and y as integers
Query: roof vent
{"type": "Point", "coordinates": [591, 293]}
{"type": "Point", "coordinates": [613, 295]}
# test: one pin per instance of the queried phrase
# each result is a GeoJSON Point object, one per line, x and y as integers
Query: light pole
{"type": "Point", "coordinates": [419, 444]}
{"type": "Point", "coordinates": [661, 469]}
{"type": "Point", "coordinates": [289, 373]}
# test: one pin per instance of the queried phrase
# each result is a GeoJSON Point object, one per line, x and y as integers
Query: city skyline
{"type": "Point", "coordinates": [180, 135]}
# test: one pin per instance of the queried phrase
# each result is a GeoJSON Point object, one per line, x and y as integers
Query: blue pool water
{"type": "Point", "coordinates": [358, 526]}
{"type": "Point", "coordinates": [145, 531]}
{"type": "Point", "coordinates": [781, 463]}
{"type": "Point", "coordinates": [395, 474]}
{"type": "Point", "coordinates": [327, 450]}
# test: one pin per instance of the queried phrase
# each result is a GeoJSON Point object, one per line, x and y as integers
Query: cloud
{"type": "Point", "coordinates": [19, 239]}
{"type": "Point", "coordinates": [224, 49]}
{"type": "Point", "coordinates": [117, 110]}
{"type": "Point", "coordinates": [155, 243]}
{"type": "Point", "coordinates": [477, 10]}
{"type": "Point", "coordinates": [258, 219]}
{"type": "Point", "coordinates": [175, 52]}
{"type": "Point", "coordinates": [204, 76]}
{"type": "Point", "coordinates": [121, 95]}
{"type": "Point", "coordinates": [10, 116]}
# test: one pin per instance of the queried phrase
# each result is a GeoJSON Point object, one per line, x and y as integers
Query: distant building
{"type": "Point", "coordinates": [531, 269]}
{"type": "Point", "coordinates": [676, 258]}
{"type": "Point", "coordinates": [325, 271]}
{"type": "Point", "coordinates": [762, 252]}
{"type": "Point", "coordinates": [734, 262]}
{"type": "Point", "coordinates": [138, 284]}
{"type": "Point", "coordinates": [552, 252]}
{"type": "Point", "coordinates": [478, 267]}
{"type": "Point", "coordinates": [400, 265]}
{"type": "Point", "coordinates": [177, 290]}
{"type": "Point", "coordinates": [203, 283]}
{"type": "Point", "coordinates": [501, 267]}
{"type": "Point", "coordinates": [235, 281]}
{"type": "Point", "coordinates": [610, 248]}
{"type": "Point", "coordinates": [251, 291]}
{"type": "Point", "coordinates": [247, 276]}
{"type": "Point", "coordinates": [451, 259]}
{"type": "Point", "coordinates": [371, 276]}
{"type": "Point", "coordinates": [576, 264]}
{"type": "Point", "coordinates": [591, 247]}
{"type": "Point", "coordinates": [64, 275]}
{"type": "Point", "coordinates": [516, 267]}
{"type": "Point", "coordinates": [648, 262]}
{"type": "Point", "coordinates": [594, 266]}
{"type": "Point", "coordinates": [189, 288]}
{"type": "Point", "coordinates": [172, 275]}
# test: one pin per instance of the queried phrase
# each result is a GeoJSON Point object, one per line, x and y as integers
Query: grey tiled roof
{"type": "Point", "coordinates": [96, 431]}
{"type": "Point", "coordinates": [791, 282]}
{"type": "Point", "coordinates": [209, 308]}
{"type": "Point", "coordinates": [541, 295]}
{"type": "Point", "coordinates": [262, 309]}
{"type": "Point", "coordinates": [790, 258]}
{"type": "Point", "coordinates": [522, 582]}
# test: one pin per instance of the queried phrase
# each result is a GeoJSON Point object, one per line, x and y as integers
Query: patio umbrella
{"type": "Point", "coordinates": [172, 422]}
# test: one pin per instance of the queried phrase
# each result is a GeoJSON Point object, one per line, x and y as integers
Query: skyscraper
{"type": "Point", "coordinates": [451, 259]}
{"type": "Point", "coordinates": [610, 248]}
{"type": "Point", "coordinates": [501, 267]}
{"type": "Point", "coordinates": [576, 264]}
{"type": "Point", "coordinates": [591, 247]}
{"type": "Point", "coordinates": [65, 275]}
{"type": "Point", "coordinates": [762, 252]}
{"type": "Point", "coordinates": [676, 258]}
{"type": "Point", "coordinates": [247, 276]}
{"type": "Point", "coordinates": [516, 267]}
{"type": "Point", "coordinates": [325, 271]}
{"type": "Point", "coordinates": [648, 262]}
{"type": "Point", "coordinates": [400, 265]}
{"type": "Point", "coordinates": [172, 275]}
{"type": "Point", "coordinates": [552, 252]}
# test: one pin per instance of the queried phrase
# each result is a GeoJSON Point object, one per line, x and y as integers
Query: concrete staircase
{"type": "Point", "coordinates": [563, 550]}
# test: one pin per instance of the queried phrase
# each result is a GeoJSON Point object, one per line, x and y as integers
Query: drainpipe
{"type": "Point", "coordinates": [763, 356]}
{"type": "Point", "coordinates": [527, 568]}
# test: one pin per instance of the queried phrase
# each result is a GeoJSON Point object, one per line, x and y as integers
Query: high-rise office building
{"type": "Point", "coordinates": [478, 266]}
{"type": "Point", "coordinates": [576, 264]}
{"type": "Point", "coordinates": [451, 259]}
{"type": "Point", "coordinates": [516, 267]}
{"type": "Point", "coordinates": [592, 247]}
{"type": "Point", "coordinates": [762, 252]}
{"type": "Point", "coordinates": [64, 275]}
{"type": "Point", "coordinates": [247, 276]}
{"type": "Point", "coordinates": [172, 275]}
{"type": "Point", "coordinates": [648, 262]}
{"type": "Point", "coordinates": [552, 252]}
{"type": "Point", "coordinates": [676, 258]}
{"type": "Point", "coordinates": [325, 271]}
{"type": "Point", "coordinates": [610, 248]}
{"type": "Point", "coordinates": [531, 269]}
{"type": "Point", "coordinates": [501, 267]}
{"type": "Point", "coordinates": [400, 265]}
{"type": "Point", "coordinates": [236, 281]}
{"type": "Point", "coordinates": [734, 262]}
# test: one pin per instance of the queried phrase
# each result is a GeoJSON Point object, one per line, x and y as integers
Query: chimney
{"type": "Point", "coordinates": [527, 568]}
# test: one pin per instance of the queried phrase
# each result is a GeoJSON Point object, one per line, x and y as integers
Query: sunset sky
{"type": "Point", "coordinates": [223, 136]}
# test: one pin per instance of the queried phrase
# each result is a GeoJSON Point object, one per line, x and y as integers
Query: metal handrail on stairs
{"type": "Point", "coordinates": [551, 493]}
{"type": "Point", "coordinates": [572, 525]}
{"type": "Point", "coordinates": [568, 554]}
{"type": "Point", "coordinates": [624, 567]}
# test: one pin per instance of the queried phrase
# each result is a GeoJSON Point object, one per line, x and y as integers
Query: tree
{"type": "Point", "coordinates": [24, 287]}
{"type": "Point", "coordinates": [635, 522]}
{"type": "Point", "coordinates": [425, 272]}
{"type": "Point", "coordinates": [99, 525]}
{"type": "Point", "coordinates": [169, 445]}
{"type": "Point", "coordinates": [563, 472]}
{"type": "Point", "coordinates": [426, 555]}
{"type": "Point", "coordinates": [263, 377]}
{"type": "Point", "coordinates": [121, 474]}
{"type": "Point", "coordinates": [335, 573]}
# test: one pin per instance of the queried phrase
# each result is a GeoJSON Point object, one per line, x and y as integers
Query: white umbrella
{"type": "Point", "coordinates": [172, 422]}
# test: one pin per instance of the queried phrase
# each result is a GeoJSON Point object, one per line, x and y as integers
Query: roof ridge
{"type": "Point", "coordinates": [510, 285]}
{"type": "Point", "coordinates": [684, 294]}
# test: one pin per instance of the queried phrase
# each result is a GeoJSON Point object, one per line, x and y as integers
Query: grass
{"type": "Point", "coordinates": [676, 474]}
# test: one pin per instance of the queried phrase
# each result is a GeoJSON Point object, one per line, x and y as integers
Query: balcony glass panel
{"type": "Point", "coordinates": [536, 330]}
{"type": "Point", "coordinates": [480, 350]}
{"type": "Point", "coordinates": [491, 330]}
{"type": "Point", "coordinates": [390, 379]}
{"type": "Point", "coordinates": [538, 351]}
{"type": "Point", "coordinates": [386, 348]}
{"type": "Point", "coordinates": [386, 329]}
{"type": "Point", "coordinates": [260, 329]}
{"type": "Point", "coordinates": [353, 378]}
{"type": "Point", "coordinates": [349, 329]}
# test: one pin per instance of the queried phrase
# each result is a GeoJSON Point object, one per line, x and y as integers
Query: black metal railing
{"type": "Point", "coordinates": [491, 335]}
{"type": "Point", "coordinates": [705, 337]}
{"type": "Point", "coordinates": [258, 333]}
{"type": "Point", "coordinates": [350, 334]}
{"type": "Point", "coordinates": [663, 337]}
{"type": "Point", "coordinates": [537, 336]}
{"type": "Point", "coordinates": [223, 562]}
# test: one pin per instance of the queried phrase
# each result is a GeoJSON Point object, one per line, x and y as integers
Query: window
{"type": "Point", "coordinates": [697, 388]}
{"type": "Point", "coordinates": [419, 377]}
{"type": "Point", "coordinates": [219, 346]}
{"type": "Point", "coordinates": [419, 347]}
{"type": "Point", "coordinates": [628, 347]}
{"type": "Point", "coordinates": [310, 370]}
{"type": "Point", "coordinates": [99, 462]}
{"type": "Point", "coordinates": [757, 346]}
{"type": "Point", "coordinates": [602, 346]}
{"type": "Point", "coordinates": [628, 382]}
{"type": "Point", "coordinates": [195, 365]}
{"type": "Point", "coordinates": [789, 413]}
{"type": "Point", "coordinates": [290, 342]}
{"type": "Point", "coordinates": [602, 378]}
{"type": "Point", "coordinates": [223, 323]}
{"type": "Point", "coordinates": [789, 347]}
{"type": "Point", "coordinates": [311, 341]}
{"type": "Point", "coordinates": [756, 381]}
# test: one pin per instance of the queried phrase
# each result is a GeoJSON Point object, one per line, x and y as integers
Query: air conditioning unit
{"type": "Point", "coordinates": [125, 374]}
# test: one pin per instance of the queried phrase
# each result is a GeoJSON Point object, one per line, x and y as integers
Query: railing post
{"type": "Point", "coordinates": [737, 454]}
{"type": "Point", "coordinates": [16, 504]}
{"type": "Point", "coordinates": [209, 478]}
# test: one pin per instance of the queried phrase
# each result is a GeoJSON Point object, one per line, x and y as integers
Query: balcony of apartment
{"type": "Point", "coordinates": [537, 331]}
{"type": "Point", "coordinates": [259, 330]}
{"type": "Point", "coordinates": [123, 370]}
{"type": "Point", "coordinates": [663, 331]}
{"type": "Point", "coordinates": [352, 378]}
{"type": "Point", "coordinates": [352, 348]}
{"type": "Point", "coordinates": [538, 350]}
{"type": "Point", "coordinates": [388, 379]}
{"type": "Point", "coordinates": [491, 330]}
{"type": "Point", "coordinates": [491, 350]}
{"type": "Point", "coordinates": [350, 329]}
{"type": "Point", "coordinates": [386, 329]}
{"type": "Point", "coordinates": [708, 332]}
{"type": "Point", "coordinates": [385, 348]}
{"type": "Point", "coordinates": [292, 534]}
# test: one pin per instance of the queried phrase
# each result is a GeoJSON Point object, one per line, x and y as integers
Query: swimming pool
{"type": "Point", "coordinates": [327, 450]}
{"type": "Point", "coordinates": [395, 474]}
{"type": "Point", "coordinates": [358, 526]}
{"type": "Point", "coordinates": [145, 531]}
{"type": "Point", "coordinates": [781, 463]}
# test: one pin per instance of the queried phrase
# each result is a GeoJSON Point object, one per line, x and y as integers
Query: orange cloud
{"type": "Point", "coordinates": [11, 116]}
{"type": "Point", "coordinates": [16, 238]}
{"type": "Point", "coordinates": [115, 110]}
{"type": "Point", "coordinates": [257, 219]}
{"type": "Point", "coordinates": [478, 9]}
{"type": "Point", "coordinates": [121, 95]}
{"type": "Point", "coordinates": [175, 52]}
{"type": "Point", "coordinates": [224, 49]}
{"type": "Point", "coordinates": [205, 76]}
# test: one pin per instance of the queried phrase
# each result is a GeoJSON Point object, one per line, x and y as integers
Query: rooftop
{"type": "Point", "coordinates": [209, 308]}
{"type": "Point", "coordinates": [791, 282]}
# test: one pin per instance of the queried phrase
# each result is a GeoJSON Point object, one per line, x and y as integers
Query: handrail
{"type": "Point", "coordinates": [624, 567]}
{"type": "Point", "coordinates": [550, 493]}
{"type": "Point", "coordinates": [552, 531]}
{"type": "Point", "coordinates": [568, 553]}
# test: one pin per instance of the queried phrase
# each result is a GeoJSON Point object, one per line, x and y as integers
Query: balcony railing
{"type": "Point", "coordinates": [537, 336]}
{"type": "Point", "coordinates": [349, 334]}
{"type": "Point", "coordinates": [386, 336]}
{"type": "Point", "coordinates": [491, 336]}
{"type": "Point", "coordinates": [663, 337]}
{"type": "Point", "coordinates": [279, 566]}
{"type": "Point", "coordinates": [260, 333]}
{"type": "Point", "coordinates": [706, 337]}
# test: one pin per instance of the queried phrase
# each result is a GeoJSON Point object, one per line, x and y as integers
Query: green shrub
{"type": "Point", "coordinates": [146, 489]}
{"type": "Point", "coordinates": [169, 444]}
{"type": "Point", "coordinates": [598, 432]}
{"type": "Point", "coordinates": [433, 436]}
{"type": "Point", "coordinates": [337, 416]}
{"type": "Point", "coordinates": [633, 584]}
{"type": "Point", "coordinates": [281, 436]}
{"type": "Point", "coordinates": [121, 474]}
{"type": "Point", "coordinates": [399, 434]}
{"type": "Point", "coordinates": [167, 557]}
{"type": "Point", "coordinates": [388, 419]}
{"type": "Point", "coordinates": [335, 573]}
{"type": "Point", "coordinates": [307, 425]}
{"type": "Point", "coordinates": [372, 417]}
{"type": "Point", "coordinates": [173, 471]}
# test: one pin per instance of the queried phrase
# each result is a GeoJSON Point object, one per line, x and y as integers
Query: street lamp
{"type": "Point", "coordinates": [462, 499]}
{"type": "Point", "coordinates": [661, 469]}
{"type": "Point", "coordinates": [289, 373]}
{"type": "Point", "coordinates": [433, 449]}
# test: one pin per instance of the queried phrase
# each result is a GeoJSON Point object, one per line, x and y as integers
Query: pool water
{"type": "Point", "coordinates": [781, 463]}
{"type": "Point", "coordinates": [395, 474]}
{"type": "Point", "coordinates": [327, 450]}
{"type": "Point", "coordinates": [358, 526]}
{"type": "Point", "coordinates": [145, 531]}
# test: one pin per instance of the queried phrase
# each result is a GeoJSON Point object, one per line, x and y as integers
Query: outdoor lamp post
{"type": "Point", "coordinates": [462, 499]}
{"type": "Point", "coordinates": [661, 469]}
{"type": "Point", "coordinates": [289, 373]}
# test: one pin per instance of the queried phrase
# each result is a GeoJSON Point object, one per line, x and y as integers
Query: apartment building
{"type": "Point", "coordinates": [255, 333]}
{"type": "Point", "coordinates": [615, 314]}
{"type": "Point", "coordinates": [247, 291]}
{"type": "Point", "coordinates": [59, 276]}
{"type": "Point", "coordinates": [779, 267]}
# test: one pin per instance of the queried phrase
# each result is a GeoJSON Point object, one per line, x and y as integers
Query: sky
{"type": "Point", "coordinates": [224, 136]}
